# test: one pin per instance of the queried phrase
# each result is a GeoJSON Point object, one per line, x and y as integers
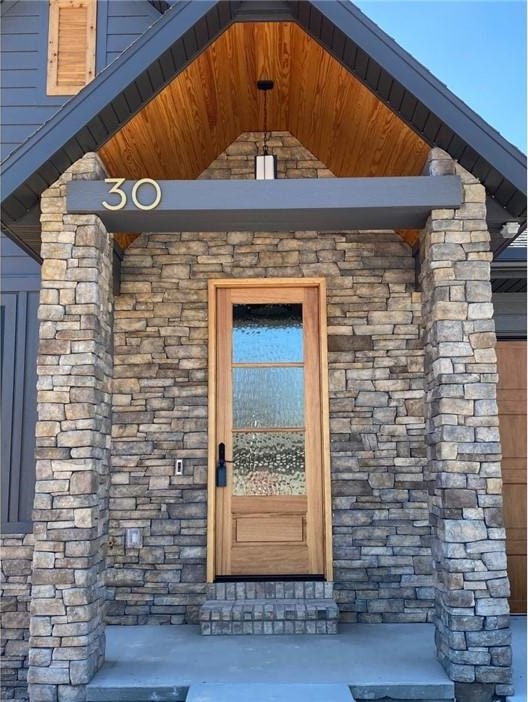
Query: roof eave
{"type": "Point", "coordinates": [86, 121]}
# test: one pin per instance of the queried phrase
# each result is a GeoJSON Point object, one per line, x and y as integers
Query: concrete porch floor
{"type": "Point", "coordinates": [147, 663]}
{"type": "Point", "coordinates": [376, 660]}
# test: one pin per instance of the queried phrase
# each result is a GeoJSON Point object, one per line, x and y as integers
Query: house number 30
{"type": "Point", "coordinates": [116, 189]}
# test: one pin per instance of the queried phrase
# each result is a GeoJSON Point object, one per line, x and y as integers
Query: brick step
{"type": "Point", "coordinates": [269, 616]}
{"type": "Point", "coordinates": [276, 589]}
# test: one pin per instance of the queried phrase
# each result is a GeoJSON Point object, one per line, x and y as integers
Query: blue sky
{"type": "Point", "coordinates": [476, 47]}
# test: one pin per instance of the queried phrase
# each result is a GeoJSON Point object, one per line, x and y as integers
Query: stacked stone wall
{"type": "Point", "coordinates": [73, 447]}
{"type": "Point", "coordinates": [381, 536]}
{"type": "Point", "coordinates": [464, 454]}
{"type": "Point", "coordinates": [16, 552]}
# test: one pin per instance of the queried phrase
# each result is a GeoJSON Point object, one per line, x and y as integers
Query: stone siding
{"type": "Point", "coordinates": [463, 453]}
{"type": "Point", "coordinates": [16, 552]}
{"type": "Point", "coordinates": [381, 537]}
{"type": "Point", "coordinates": [73, 446]}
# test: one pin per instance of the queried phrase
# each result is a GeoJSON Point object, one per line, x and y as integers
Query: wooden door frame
{"type": "Point", "coordinates": [320, 285]}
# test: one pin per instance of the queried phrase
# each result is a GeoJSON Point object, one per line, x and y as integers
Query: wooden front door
{"type": "Point", "coordinates": [269, 494]}
{"type": "Point", "coordinates": [511, 398]}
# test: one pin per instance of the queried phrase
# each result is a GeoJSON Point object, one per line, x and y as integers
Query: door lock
{"type": "Point", "coordinates": [221, 467]}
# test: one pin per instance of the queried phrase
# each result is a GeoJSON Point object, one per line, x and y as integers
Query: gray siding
{"type": "Point", "coordinates": [124, 23]}
{"type": "Point", "coordinates": [19, 271]}
{"type": "Point", "coordinates": [510, 314]}
{"type": "Point", "coordinates": [25, 106]}
{"type": "Point", "coordinates": [20, 282]}
{"type": "Point", "coordinates": [24, 35]}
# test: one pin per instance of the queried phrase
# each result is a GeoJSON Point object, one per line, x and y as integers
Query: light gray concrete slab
{"type": "Point", "coordinates": [268, 692]}
{"type": "Point", "coordinates": [520, 679]}
{"type": "Point", "coordinates": [137, 693]}
{"type": "Point", "coordinates": [376, 660]}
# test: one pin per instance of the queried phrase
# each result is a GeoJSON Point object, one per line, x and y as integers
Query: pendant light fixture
{"type": "Point", "coordinates": [265, 163]}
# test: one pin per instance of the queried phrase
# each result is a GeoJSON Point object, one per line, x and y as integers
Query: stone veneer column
{"type": "Point", "coordinates": [463, 446]}
{"type": "Point", "coordinates": [73, 446]}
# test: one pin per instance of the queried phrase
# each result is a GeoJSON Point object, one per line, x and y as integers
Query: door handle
{"type": "Point", "coordinates": [221, 467]}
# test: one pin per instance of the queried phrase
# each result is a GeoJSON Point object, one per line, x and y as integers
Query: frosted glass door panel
{"type": "Point", "coordinates": [267, 333]}
{"type": "Point", "coordinates": [268, 397]}
{"type": "Point", "coordinates": [269, 463]}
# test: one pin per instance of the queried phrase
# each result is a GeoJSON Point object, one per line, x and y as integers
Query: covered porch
{"type": "Point", "coordinates": [376, 661]}
{"type": "Point", "coordinates": [472, 635]}
{"type": "Point", "coordinates": [391, 197]}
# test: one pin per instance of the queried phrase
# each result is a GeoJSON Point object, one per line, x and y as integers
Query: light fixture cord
{"type": "Point", "coordinates": [265, 146]}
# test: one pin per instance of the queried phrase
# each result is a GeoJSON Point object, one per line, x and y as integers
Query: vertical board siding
{"type": "Point", "coordinates": [7, 372]}
{"type": "Point", "coordinates": [20, 284]}
{"type": "Point", "coordinates": [23, 54]}
{"type": "Point", "coordinates": [19, 380]}
{"type": "Point", "coordinates": [29, 408]}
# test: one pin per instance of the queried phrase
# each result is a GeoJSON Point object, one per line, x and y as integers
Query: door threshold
{"type": "Point", "coordinates": [268, 578]}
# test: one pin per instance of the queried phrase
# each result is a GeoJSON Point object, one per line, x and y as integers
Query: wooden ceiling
{"type": "Point", "coordinates": [207, 106]}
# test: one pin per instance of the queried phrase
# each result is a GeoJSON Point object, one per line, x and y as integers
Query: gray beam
{"type": "Point", "coordinates": [273, 205]}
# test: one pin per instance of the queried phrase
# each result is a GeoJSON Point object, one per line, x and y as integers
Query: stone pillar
{"type": "Point", "coordinates": [73, 446]}
{"type": "Point", "coordinates": [463, 446]}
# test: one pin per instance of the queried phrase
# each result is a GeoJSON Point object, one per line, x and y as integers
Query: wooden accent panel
{"type": "Point", "coordinates": [509, 399]}
{"type": "Point", "coordinates": [265, 527]}
{"type": "Point", "coordinates": [124, 240]}
{"type": "Point", "coordinates": [276, 504]}
{"type": "Point", "coordinates": [71, 45]}
{"type": "Point", "coordinates": [313, 439]}
{"type": "Point", "coordinates": [325, 431]}
{"type": "Point", "coordinates": [411, 236]}
{"type": "Point", "coordinates": [209, 104]}
{"type": "Point", "coordinates": [342, 122]}
{"type": "Point", "coordinates": [276, 559]}
{"type": "Point", "coordinates": [511, 396]}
